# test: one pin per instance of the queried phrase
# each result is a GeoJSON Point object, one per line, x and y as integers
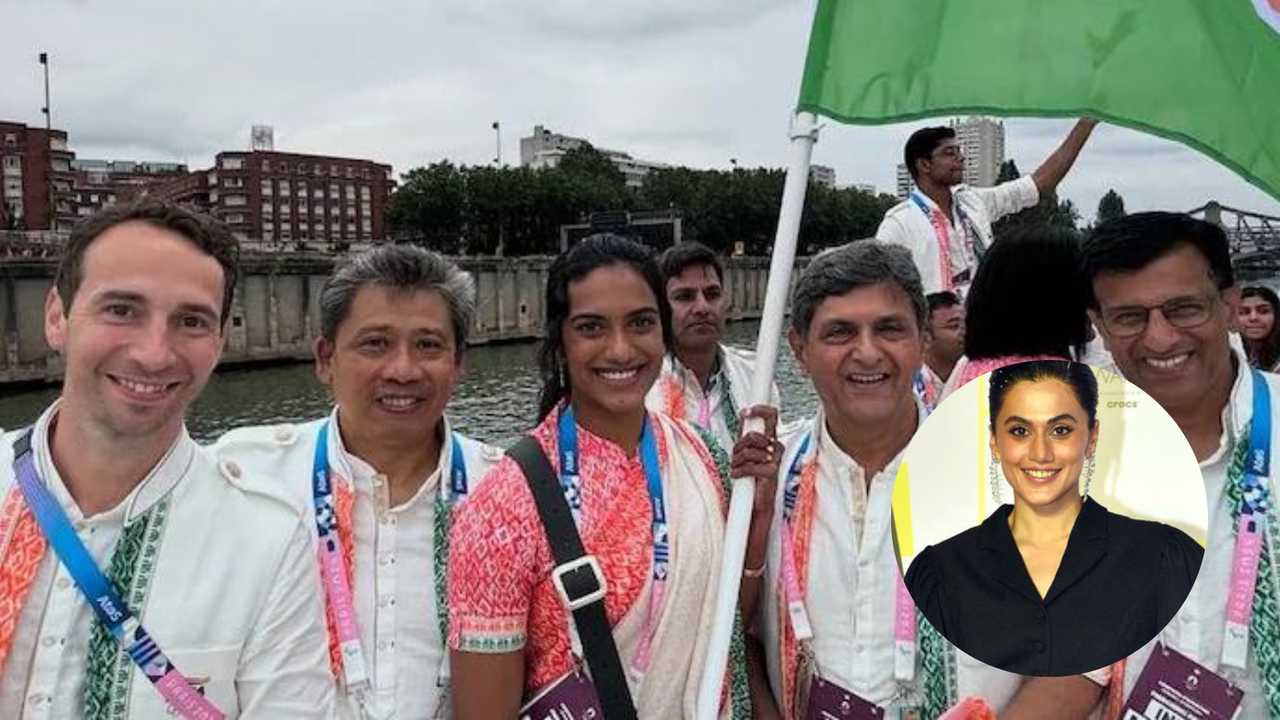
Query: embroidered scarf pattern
{"type": "Point", "coordinates": [343, 502]}
{"type": "Point", "coordinates": [23, 546]}
{"type": "Point", "coordinates": [109, 669]}
{"type": "Point", "coordinates": [937, 657]}
{"type": "Point", "coordinates": [131, 568]}
{"type": "Point", "coordinates": [1264, 630]}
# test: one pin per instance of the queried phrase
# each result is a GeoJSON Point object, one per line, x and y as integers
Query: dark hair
{"type": "Point", "coordinates": [922, 143]}
{"type": "Point", "coordinates": [211, 236]}
{"type": "Point", "coordinates": [1078, 375]}
{"type": "Point", "coordinates": [592, 252]}
{"type": "Point", "coordinates": [842, 269]}
{"type": "Point", "coordinates": [1265, 353]}
{"type": "Point", "coordinates": [676, 258]}
{"type": "Point", "coordinates": [401, 268]}
{"type": "Point", "coordinates": [940, 300]}
{"type": "Point", "coordinates": [1027, 297]}
{"type": "Point", "coordinates": [1132, 242]}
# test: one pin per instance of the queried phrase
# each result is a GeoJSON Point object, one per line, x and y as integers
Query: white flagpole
{"type": "Point", "coordinates": [804, 132]}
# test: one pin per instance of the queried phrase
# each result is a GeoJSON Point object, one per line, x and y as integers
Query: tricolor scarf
{"type": "Point", "coordinates": [344, 503]}
{"type": "Point", "coordinates": [23, 546]}
{"type": "Point", "coordinates": [937, 657]}
{"type": "Point", "coordinates": [672, 385]}
{"type": "Point", "coordinates": [801, 530]}
{"type": "Point", "coordinates": [1264, 629]}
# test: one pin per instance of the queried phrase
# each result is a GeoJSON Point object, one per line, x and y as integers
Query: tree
{"type": "Point", "coordinates": [1110, 207]}
{"type": "Point", "coordinates": [1049, 211]}
{"type": "Point", "coordinates": [429, 207]}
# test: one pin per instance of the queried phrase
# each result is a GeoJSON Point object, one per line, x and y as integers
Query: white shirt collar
{"type": "Point", "coordinates": [349, 465]}
{"type": "Point", "coordinates": [831, 451]}
{"type": "Point", "coordinates": [157, 484]}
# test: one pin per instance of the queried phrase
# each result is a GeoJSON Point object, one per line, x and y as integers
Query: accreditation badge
{"type": "Point", "coordinates": [1175, 687]}
{"type": "Point", "coordinates": [572, 697]}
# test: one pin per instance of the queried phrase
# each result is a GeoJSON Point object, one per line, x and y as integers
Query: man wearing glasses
{"type": "Point", "coordinates": [948, 230]}
{"type": "Point", "coordinates": [1163, 299]}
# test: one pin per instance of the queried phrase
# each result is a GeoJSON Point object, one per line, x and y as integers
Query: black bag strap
{"type": "Point", "coordinates": [579, 582]}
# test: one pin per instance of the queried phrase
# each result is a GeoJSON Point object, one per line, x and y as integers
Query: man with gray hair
{"type": "Point", "coordinates": [381, 474]}
{"type": "Point", "coordinates": [833, 595]}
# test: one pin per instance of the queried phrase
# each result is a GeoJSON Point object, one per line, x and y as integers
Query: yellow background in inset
{"type": "Point", "coordinates": [1145, 468]}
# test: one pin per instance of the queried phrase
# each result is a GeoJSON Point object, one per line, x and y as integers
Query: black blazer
{"type": "Point", "coordinates": [1120, 582]}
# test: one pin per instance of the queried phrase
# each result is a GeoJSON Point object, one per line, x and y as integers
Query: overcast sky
{"type": "Point", "coordinates": [408, 83]}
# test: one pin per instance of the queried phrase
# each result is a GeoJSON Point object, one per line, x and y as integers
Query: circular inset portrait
{"type": "Point", "coordinates": [1049, 518]}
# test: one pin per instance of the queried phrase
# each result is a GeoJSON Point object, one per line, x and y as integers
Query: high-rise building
{"type": "Point", "coordinates": [905, 185]}
{"type": "Point", "coordinates": [822, 175]}
{"type": "Point", "coordinates": [982, 141]}
{"type": "Point", "coordinates": [36, 179]}
{"type": "Point", "coordinates": [545, 149]}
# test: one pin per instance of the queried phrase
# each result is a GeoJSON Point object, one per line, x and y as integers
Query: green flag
{"type": "Point", "coordinates": [1203, 72]}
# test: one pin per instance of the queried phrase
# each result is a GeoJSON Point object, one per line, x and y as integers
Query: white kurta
{"type": "Point", "coordinates": [1198, 628]}
{"type": "Point", "coordinates": [906, 225]}
{"type": "Point", "coordinates": [731, 383]}
{"type": "Point", "coordinates": [394, 574]}
{"type": "Point", "coordinates": [234, 599]}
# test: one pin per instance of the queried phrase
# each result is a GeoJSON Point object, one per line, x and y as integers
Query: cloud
{"type": "Point", "coordinates": [409, 83]}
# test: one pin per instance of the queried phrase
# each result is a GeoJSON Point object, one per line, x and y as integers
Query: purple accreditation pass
{"type": "Point", "coordinates": [828, 701]}
{"type": "Point", "coordinates": [572, 697]}
{"type": "Point", "coordinates": [1175, 687]}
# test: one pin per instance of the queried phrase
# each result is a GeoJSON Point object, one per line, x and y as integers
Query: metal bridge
{"type": "Point", "coordinates": [1254, 238]}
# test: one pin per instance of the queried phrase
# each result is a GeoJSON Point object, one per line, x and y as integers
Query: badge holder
{"type": "Point", "coordinates": [1175, 687]}
{"type": "Point", "coordinates": [573, 695]}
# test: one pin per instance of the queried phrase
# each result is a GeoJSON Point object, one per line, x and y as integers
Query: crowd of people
{"type": "Point", "coordinates": [376, 563]}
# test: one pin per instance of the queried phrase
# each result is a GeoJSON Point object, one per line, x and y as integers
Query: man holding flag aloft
{"type": "Point", "coordinates": [948, 228]}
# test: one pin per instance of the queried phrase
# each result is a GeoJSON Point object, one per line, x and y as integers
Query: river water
{"type": "Point", "coordinates": [495, 402]}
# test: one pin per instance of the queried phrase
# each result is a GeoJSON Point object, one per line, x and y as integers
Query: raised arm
{"type": "Point", "coordinates": [1055, 167]}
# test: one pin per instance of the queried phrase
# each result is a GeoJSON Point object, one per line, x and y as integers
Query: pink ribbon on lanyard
{"type": "Point", "coordinates": [1244, 577]}
{"type": "Point", "coordinates": [704, 412]}
{"type": "Point", "coordinates": [791, 586]}
{"type": "Point", "coordinates": [334, 574]}
{"type": "Point", "coordinates": [939, 222]}
{"type": "Point", "coordinates": [904, 632]}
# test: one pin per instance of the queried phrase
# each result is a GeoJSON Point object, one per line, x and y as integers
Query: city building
{"type": "Point", "coordinates": [982, 141]}
{"type": "Point", "coordinates": [36, 179]}
{"type": "Point", "coordinates": [545, 149]}
{"type": "Point", "coordinates": [279, 198]}
{"type": "Point", "coordinates": [99, 183]}
{"type": "Point", "coordinates": [822, 175]}
{"type": "Point", "coordinates": [905, 183]}
{"type": "Point", "coordinates": [867, 188]}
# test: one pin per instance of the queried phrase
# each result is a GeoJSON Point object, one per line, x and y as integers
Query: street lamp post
{"type": "Point", "coordinates": [48, 138]}
{"type": "Point", "coordinates": [497, 136]}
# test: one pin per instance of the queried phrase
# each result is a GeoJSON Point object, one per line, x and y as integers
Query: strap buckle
{"type": "Point", "coordinates": [579, 582]}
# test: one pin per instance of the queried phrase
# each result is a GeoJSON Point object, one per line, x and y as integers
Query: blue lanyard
{"type": "Point", "coordinates": [791, 491]}
{"type": "Point", "coordinates": [322, 483]}
{"type": "Point", "coordinates": [1258, 463]}
{"type": "Point", "coordinates": [570, 483]}
{"type": "Point", "coordinates": [106, 604]}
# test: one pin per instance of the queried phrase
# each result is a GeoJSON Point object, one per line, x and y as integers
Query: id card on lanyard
{"type": "Point", "coordinates": [1251, 528]}
{"type": "Point", "coordinates": [570, 485]}
{"type": "Point", "coordinates": [1173, 686]}
{"type": "Point", "coordinates": [819, 691]}
{"type": "Point", "coordinates": [333, 570]}
{"type": "Point", "coordinates": [106, 604]}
